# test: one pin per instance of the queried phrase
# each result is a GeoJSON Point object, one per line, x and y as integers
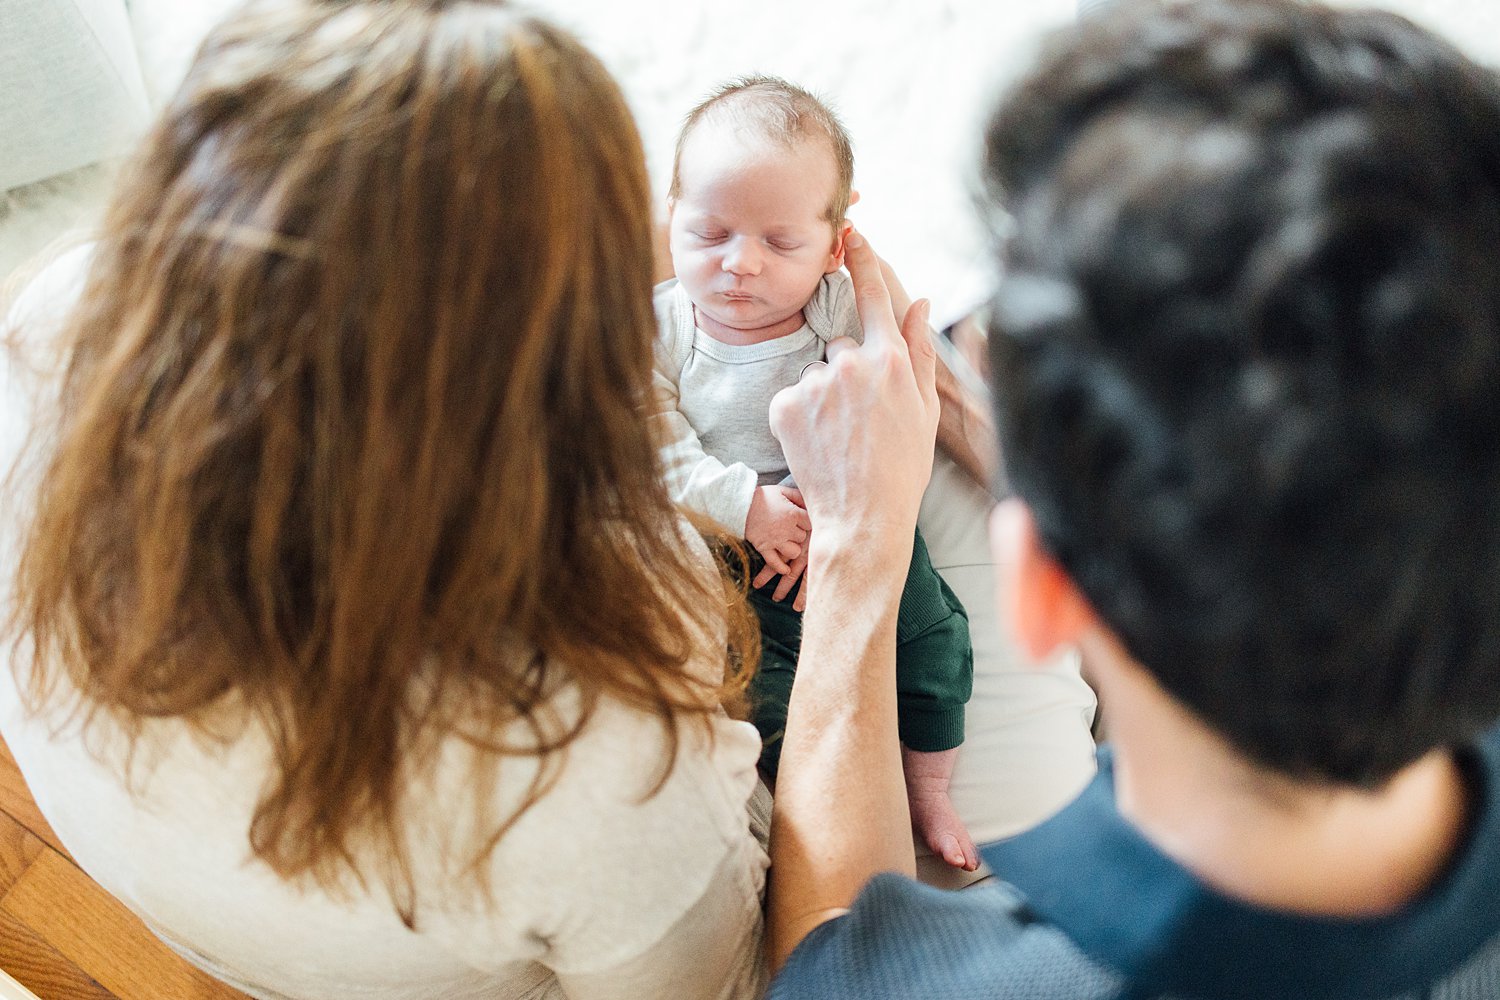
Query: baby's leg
{"type": "Point", "coordinates": [1027, 748]}
{"type": "Point", "coordinates": [934, 675]}
{"type": "Point", "coordinates": [932, 814]}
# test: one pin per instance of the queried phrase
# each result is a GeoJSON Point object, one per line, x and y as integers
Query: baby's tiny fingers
{"type": "Point", "coordinates": [784, 588]}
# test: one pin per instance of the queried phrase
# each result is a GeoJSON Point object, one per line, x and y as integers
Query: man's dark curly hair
{"type": "Point", "coordinates": [1247, 353]}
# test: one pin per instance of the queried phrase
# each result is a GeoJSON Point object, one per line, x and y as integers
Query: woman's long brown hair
{"type": "Point", "coordinates": [350, 428]}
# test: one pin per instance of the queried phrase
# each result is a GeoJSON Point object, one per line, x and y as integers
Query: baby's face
{"type": "Point", "coordinates": [749, 236]}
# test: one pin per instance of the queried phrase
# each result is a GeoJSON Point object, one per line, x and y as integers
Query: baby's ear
{"type": "Point", "coordinates": [836, 256]}
{"type": "Point", "coordinates": [661, 249]}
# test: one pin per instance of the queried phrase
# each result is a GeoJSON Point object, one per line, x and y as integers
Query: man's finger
{"type": "Point", "coordinates": [765, 576]}
{"type": "Point", "coordinates": [839, 345]}
{"type": "Point", "coordinates": [918, 336]}
{"type": "Point", "coordinates": [871, 297]}
{"type": "Point", "coordinates": [900, 299]}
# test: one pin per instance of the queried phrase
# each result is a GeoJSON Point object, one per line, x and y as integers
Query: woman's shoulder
{"type": "Point", "coordinates": [42, 302]}
{"type": "Point", "coordinates": [32, 314]}
{"type": "Point", "coordinates": [31, 360]}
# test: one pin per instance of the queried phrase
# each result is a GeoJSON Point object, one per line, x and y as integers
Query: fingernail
{"type": "Point", "coordinates": [855, 240]}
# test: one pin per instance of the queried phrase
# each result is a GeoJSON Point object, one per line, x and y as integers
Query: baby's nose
{"type": "Point", "coordinates": [741, 257]}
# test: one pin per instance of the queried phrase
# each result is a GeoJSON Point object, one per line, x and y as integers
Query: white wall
{"type": "Point", "coordinates": [912, 80]}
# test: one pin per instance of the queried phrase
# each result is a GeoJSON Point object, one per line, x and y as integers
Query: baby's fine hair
{"type": "Point", "coordinates": [782, 112]}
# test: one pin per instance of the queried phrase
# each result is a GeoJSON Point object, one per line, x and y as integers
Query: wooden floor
{"type": "Point", "coordinates": [62, 936]}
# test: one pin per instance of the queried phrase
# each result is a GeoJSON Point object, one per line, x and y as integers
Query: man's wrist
{"type": "Point", "coordinates": [870, 556]}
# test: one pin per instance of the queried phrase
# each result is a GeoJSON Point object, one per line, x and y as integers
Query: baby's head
{"type": "Point", "coordinates": [760, 186]}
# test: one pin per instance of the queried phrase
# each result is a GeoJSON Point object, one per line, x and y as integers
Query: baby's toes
{"type": "Point", "coordinates": [951, 851]}
{"type": "Point", "coordinates": [943, 832]}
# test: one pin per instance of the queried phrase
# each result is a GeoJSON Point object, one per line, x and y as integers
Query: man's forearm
{"type": "Point", "coordinates": [966, 433]}
{"type": "Point", "coordinates": [840, 815]}
{"type": "Point", "coordinates": [858, 435]}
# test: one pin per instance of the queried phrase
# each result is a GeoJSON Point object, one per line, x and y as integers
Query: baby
{"type": "Point", "coordinates": [760, 186]}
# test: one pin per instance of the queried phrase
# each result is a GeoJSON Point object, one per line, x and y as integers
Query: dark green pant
{"type": "Point", "coordinates": [934, 661]}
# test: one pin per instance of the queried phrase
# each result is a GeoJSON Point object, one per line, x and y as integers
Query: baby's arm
{"type": "Point", "coordinates": [696, 479]}
{"type": "Point", "coordinates": [765, 516]}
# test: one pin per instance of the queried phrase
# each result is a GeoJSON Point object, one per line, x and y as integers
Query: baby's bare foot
{"type": "Point", "coordinates": [932, 813]}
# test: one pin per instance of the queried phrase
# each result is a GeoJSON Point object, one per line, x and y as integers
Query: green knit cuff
{"type": "Point", "coordinates": [928, 729]}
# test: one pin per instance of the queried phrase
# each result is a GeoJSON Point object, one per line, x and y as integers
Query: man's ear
{"type": "Point", "coordinates": [1045, 608]}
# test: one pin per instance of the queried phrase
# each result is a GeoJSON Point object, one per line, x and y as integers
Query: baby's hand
{"type": "Point", "coordinates": [777, 526]}
{"type": "Point", "coordinates": [791, 577]}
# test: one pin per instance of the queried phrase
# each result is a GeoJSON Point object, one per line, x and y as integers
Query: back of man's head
{"type": "Point", "coordinates": [1247, 350]}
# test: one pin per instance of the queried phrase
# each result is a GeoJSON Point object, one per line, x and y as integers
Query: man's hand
{"type": "Point", "coordinates": [858, 433]}
{"type": "Point", "coordinates": [777, 526]}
